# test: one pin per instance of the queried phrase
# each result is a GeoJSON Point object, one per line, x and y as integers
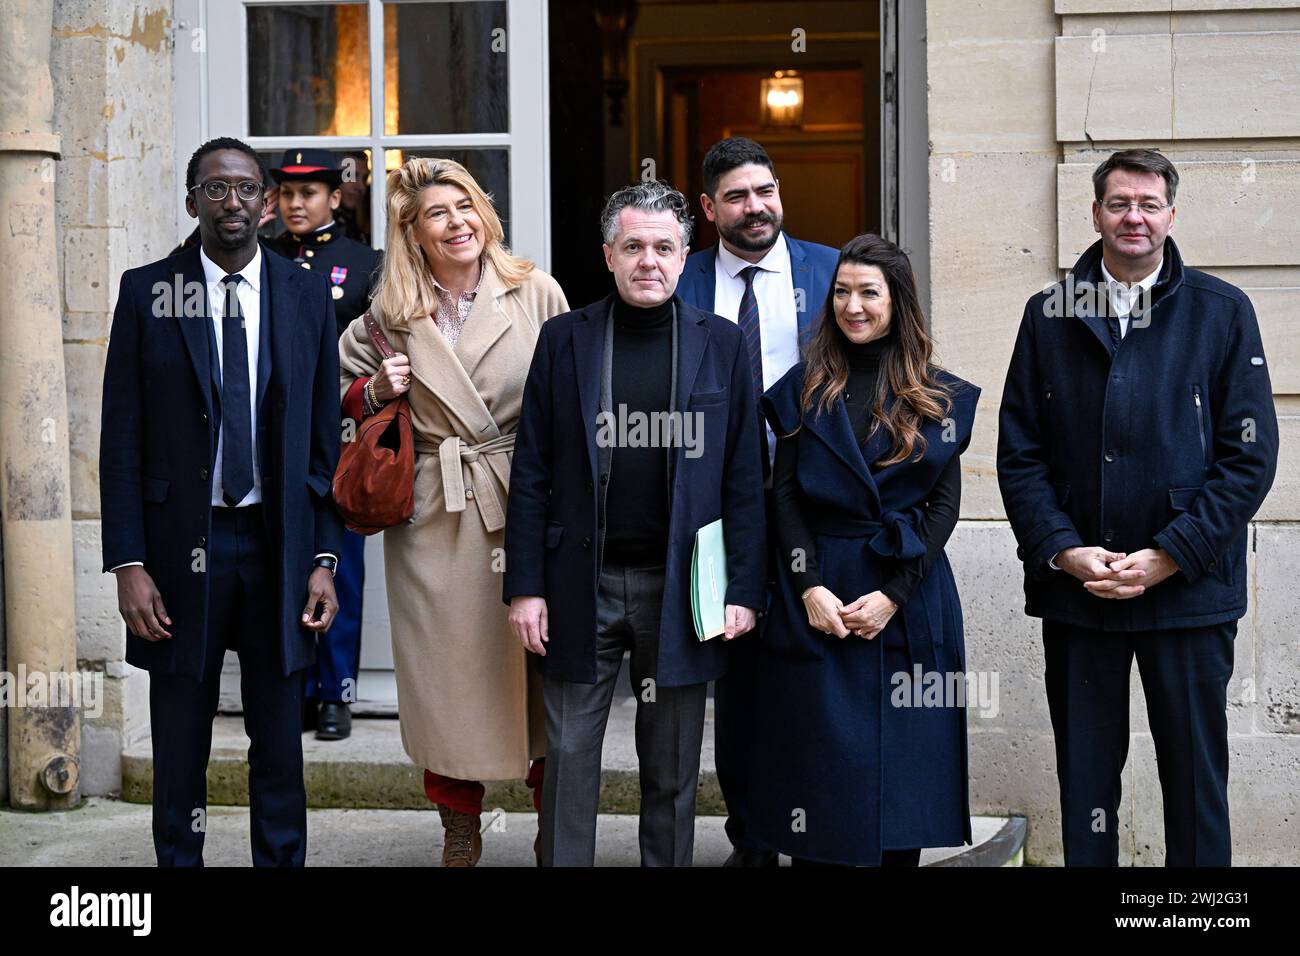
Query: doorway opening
{"type": "Point", "coordinates": [806, 80]}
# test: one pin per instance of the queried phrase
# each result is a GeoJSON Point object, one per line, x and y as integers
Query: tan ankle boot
{"type": "Point", "coordinates": [462, 844]}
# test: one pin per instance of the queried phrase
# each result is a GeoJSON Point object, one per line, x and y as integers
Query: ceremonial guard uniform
{"type": "Point", "coordinates": [351, 269]}
{"type": "Point", "coordinates": [349, 266]}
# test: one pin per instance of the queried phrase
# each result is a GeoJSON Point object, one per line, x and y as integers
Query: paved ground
{"type": "Point", "coordinates": [112, 833]}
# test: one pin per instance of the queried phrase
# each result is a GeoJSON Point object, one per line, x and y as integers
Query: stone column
{"type": "Point", "coordinates": [44, 732]}
{"type": "Point", "coordinates": [112, 66]}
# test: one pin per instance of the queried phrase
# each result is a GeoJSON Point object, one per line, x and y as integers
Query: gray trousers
{"type": "Point", "coordinates": [669, 731]}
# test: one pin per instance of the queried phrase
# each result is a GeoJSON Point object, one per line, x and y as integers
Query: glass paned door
{"type": "Point", "coordinates": [464, 79]}
{"type": "Point", "coordinates": [471, 71]}
{"type": "Point", "coordinates": [308, 70]}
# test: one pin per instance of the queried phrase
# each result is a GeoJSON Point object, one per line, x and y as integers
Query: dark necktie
{"type": "Point", "coordinates": [748, 320]}
{"type": "Point", "coordinates": [236, 409]}
{"type": "Point", "coordinates": [1112, 316]}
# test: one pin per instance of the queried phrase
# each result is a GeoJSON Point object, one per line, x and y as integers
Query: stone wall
{"type": "Point", "coordinates": [1026, 97]}
{"type": "Point", "coordinates": [112, 69]}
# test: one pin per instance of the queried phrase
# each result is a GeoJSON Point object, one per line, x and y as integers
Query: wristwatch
{"type": "Point", "coordinates": [328, 562]}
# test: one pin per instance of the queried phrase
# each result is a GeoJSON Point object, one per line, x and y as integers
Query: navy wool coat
{"type": "Point", "coordinates": [841, 772]}
{"type": "Point", "coordinates": [158, 440]}
{"type": "Point", "coordinates": [1171, 443]}
{"type": "Point", "coordinates": [551, 523]}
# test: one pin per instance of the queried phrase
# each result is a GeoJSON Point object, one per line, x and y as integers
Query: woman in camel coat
{"type": "Point", "coordinates": [463, 314]}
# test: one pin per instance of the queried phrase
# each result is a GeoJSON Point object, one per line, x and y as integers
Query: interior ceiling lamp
{"type": "Point", "coordinates": [782, 99]}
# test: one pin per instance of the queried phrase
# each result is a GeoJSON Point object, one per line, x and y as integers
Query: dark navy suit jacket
{"type": "Point", "coordinates": [161, 415]}
{"type": "Point", "coordinates": [812, 269]}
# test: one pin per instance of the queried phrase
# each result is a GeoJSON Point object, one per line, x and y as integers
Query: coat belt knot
{"type": "Point", "coordinates": [897, 537]}
{"type": "Point", "coordinates": [455, 458]}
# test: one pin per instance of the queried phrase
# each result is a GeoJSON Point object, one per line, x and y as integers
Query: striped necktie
{"type": "Point", "coordinates": [748, 321]}
{"type": "Point", "coordinates": [750, 327]}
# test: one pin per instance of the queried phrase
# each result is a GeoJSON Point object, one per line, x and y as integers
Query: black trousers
{"type": "Point", "coordinates": [242, 616]}
{"type": "Point", "coordinates": [734, 703]}
{"type": "Point", "coordinates": [1184, 675]}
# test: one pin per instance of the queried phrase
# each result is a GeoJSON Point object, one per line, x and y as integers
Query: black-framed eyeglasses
{"type": "Point", "coordinates": [219, 189]}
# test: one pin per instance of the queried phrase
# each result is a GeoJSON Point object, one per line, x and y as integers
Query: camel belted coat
{"type": "Point", "coordinates": [469, 702]}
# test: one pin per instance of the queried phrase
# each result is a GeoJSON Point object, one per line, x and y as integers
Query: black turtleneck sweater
{"type": "Point", "coordinates": [941, 508]}
{"type": "Point", "coordinates": [636, 503]}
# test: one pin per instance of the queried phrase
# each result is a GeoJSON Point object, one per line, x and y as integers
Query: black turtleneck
{"type": "Point", "coordinates": [941, 508]}
{"type": "Point", "coordinates": [864, 370]}
{"type": "Point", "coordinates": [636, 502]}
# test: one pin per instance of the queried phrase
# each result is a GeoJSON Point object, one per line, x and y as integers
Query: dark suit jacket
{"type": "Point", "coordinates": [161, 415]}
{"type": "Point", "coordinates": [551, 525]}
{"type": "Point", "coordinates": [812, 267]}
{"type": "Point", "coordinates": [1170, 443]}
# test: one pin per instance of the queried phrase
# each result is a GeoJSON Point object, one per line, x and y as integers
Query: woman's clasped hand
{"type": "Point", "coordinates": [866, 617]}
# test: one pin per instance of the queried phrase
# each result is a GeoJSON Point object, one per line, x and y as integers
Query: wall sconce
{"type": "Point", "coordinates": [782, 99]}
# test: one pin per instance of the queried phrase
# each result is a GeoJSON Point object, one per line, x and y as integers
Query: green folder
{"type": "Point", "coordinates": [709, 582]}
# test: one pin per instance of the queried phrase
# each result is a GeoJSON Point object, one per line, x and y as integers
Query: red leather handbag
{"type": "Point", "coordinates": [374, 484]}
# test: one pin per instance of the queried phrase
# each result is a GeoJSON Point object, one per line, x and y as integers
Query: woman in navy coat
{"type": "Point", "coordinates": [861, 740]}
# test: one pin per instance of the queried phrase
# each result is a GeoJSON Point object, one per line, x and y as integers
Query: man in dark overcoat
{"type": "Point", "coordinates": [603, 515]}
{"type": "Point", "coordinates": [1138, 437]}
{"type": "Point", "coordinates": [219, 441]}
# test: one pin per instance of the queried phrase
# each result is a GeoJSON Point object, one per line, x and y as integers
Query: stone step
{"type": "Point", "coordinates": [370, 770]}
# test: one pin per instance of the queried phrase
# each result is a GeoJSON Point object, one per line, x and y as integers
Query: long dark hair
{"type": "Point", "coordinates": [905, 363]}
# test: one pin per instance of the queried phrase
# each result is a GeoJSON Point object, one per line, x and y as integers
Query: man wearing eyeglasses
{"type": "Point", "coordinates": [218, 444]}
{"type": "Point", "coordinates": [1137, 439]}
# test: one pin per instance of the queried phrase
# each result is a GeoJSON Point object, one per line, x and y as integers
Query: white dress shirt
{"type": "Point", "coordinates": [778, 318]}
{"type": "Point", "coordinates": [1123, 297]}
{"type": "Point", "coordinates": [250, 303]}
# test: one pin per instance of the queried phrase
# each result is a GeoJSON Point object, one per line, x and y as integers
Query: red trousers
{"type": "Point", "coordinates": [466, 796]}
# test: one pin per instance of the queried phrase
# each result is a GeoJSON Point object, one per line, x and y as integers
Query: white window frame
{"type": "Point", "coordinates": [209, 104]}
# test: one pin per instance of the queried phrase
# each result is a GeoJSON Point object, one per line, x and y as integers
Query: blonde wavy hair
{"type": "Point", "coordinates": [406, 284]}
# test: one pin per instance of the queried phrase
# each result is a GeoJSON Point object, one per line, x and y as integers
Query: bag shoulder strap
{"type": "Point", "coordinates": [377, 336]}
